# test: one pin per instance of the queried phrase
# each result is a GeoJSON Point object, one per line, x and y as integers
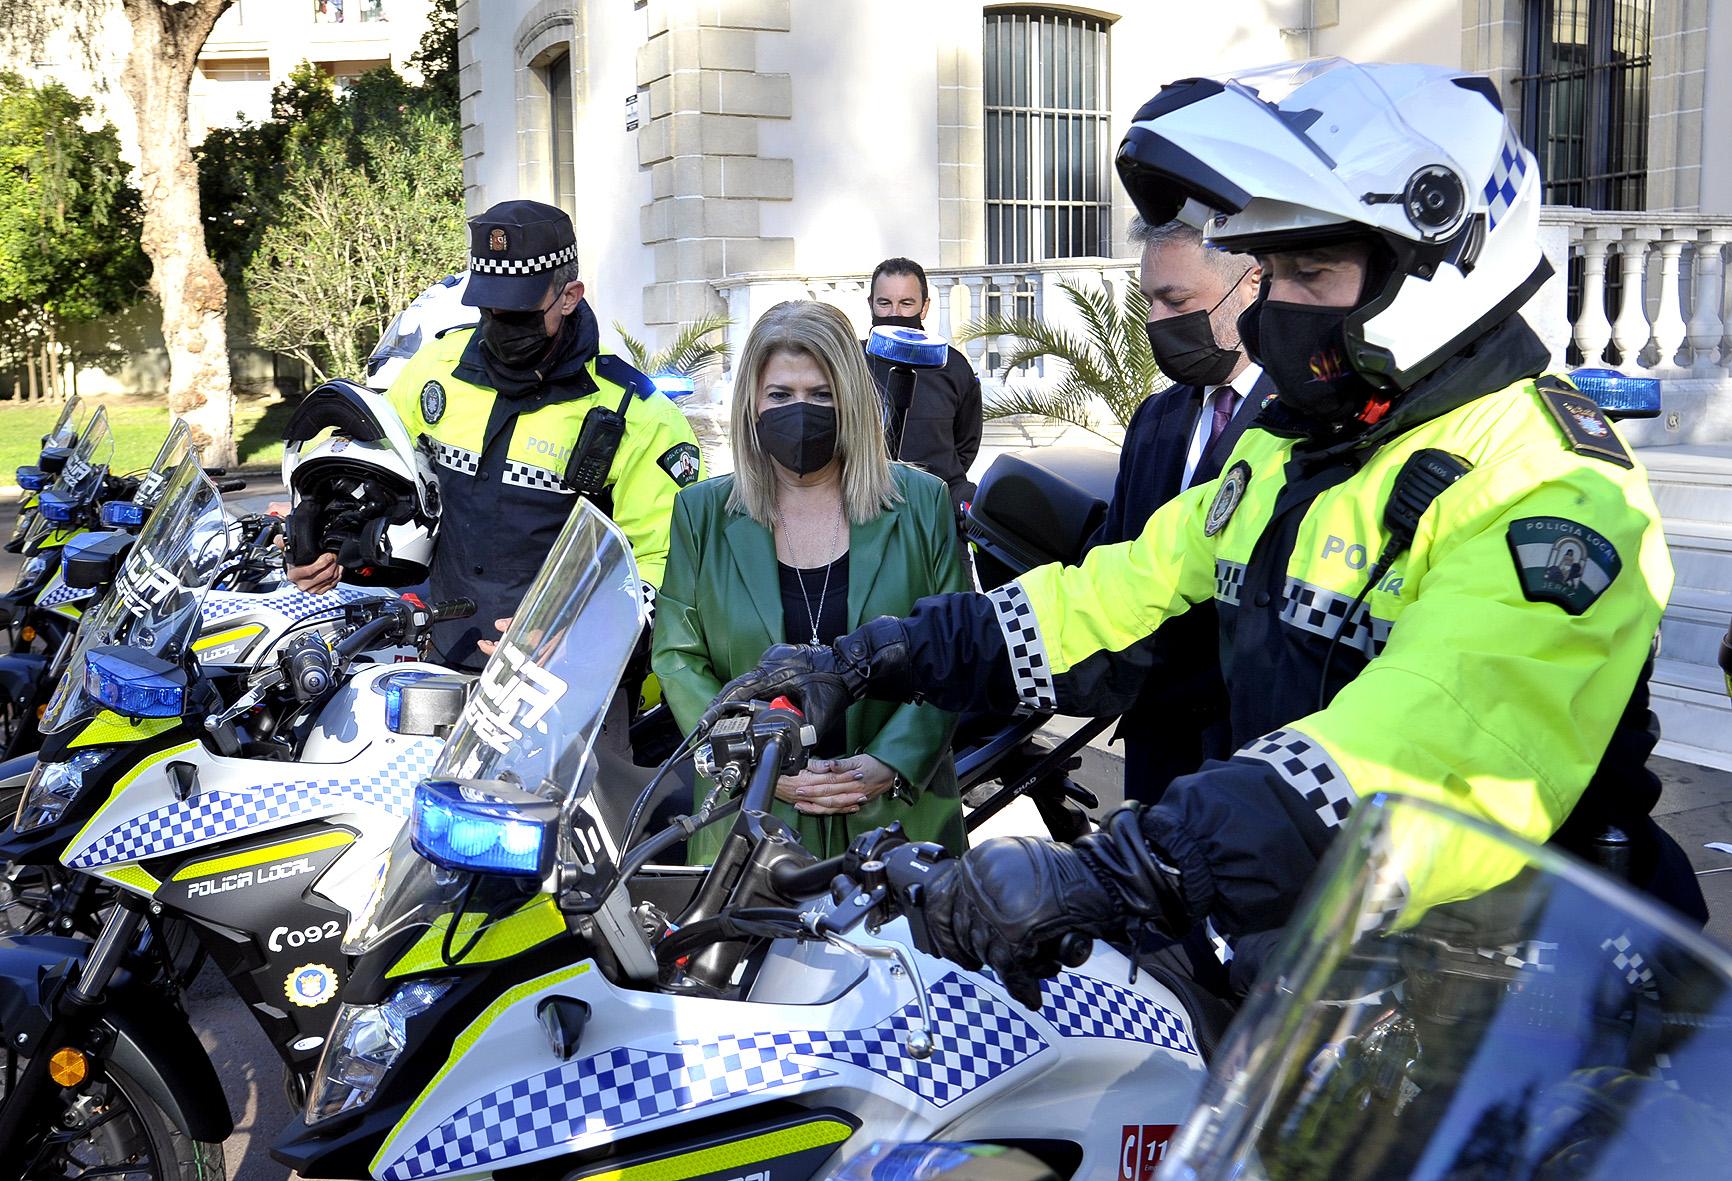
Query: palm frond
{"type": "Point", "coordinates": [635, 349]}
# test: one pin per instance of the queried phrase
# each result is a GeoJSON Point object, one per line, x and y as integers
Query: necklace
{"type": "Point", "coordinates": [824, 591]}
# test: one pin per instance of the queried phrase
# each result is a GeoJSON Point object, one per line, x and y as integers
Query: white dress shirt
{"type": "Point", "coordinates": [1241, 386]}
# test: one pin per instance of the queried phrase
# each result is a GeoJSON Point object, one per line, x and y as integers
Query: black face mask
{"type": "Point", "coordinates": [516, 340]}
{"type": "Point", "coordinates": [896, 321]}
{"type": "Point", "coordinates": [800, 436]}
{"type": "Point", "coordinates": [1303, 349]}
{"type": "Point", "coordinates": [1185, 348]}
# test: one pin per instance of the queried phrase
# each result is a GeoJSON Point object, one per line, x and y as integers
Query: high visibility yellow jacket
{"type": "Point", "coordinates": [1487, 667]}
{"type": "Point", "coordinates": [502, 470]}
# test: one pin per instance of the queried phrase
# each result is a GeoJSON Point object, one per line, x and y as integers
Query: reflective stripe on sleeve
{"type": "Point", "coordinates": [1308, 769]}
{"type": "Point", "coordinates": [1029, 667]}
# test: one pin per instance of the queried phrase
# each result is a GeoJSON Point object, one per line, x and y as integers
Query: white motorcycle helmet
{"type": "Point", "coordinates": [1420, 159]}
{"type": "Point", "coordinates": [432, 314]}
{"type": "Point", "coordinates": [360, 487]}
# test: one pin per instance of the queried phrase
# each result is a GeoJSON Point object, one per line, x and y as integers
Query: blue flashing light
{"type": "Point", "coordinates": [1618, 394]}
{"type": "Point", "coordinates": [33, 479]}
{"type": "Point", "coordinates": [134, 685]}
{"type": "Point", "coordinates": [908, 346]}
{"type": "Point", "coordinates": [57, 507]}
{"type": "Point", "coordinates": [123, 514]}
{"type": "Point", "coordinates": [674, 386]}
{"type": "Point", "coordinates": [491, 828]}
{"type": "Point", "coordinates": [392, 686]}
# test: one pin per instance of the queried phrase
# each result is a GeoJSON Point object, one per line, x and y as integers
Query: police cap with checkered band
{"type": "Point", "coordinates": [1420, 160]}
{"type": "Point", "coordinates": [514, 248]}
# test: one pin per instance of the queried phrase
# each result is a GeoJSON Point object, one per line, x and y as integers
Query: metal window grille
{"type": "Point", "coordinates": [1585, 99]}
{"type": "Point", "coordinates": [562, 165]}
{"type": "Point", "coordinates": [1047, 145]}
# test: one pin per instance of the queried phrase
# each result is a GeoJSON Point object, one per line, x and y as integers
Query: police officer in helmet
{"type": "Point", "coordinates": [521, 415]}
{"type": "Point", "coordinates": [1381, 548]}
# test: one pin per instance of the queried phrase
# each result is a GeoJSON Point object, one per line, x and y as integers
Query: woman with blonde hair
{"type": "Point", "coordinates": [814, 533]}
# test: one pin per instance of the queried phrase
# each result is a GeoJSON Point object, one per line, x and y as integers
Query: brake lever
{"type": "Point", "coordinates": [918, 1043]}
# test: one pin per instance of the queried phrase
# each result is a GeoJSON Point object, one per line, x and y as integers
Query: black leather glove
{"type": "Point", "coordinates": [1012, 902]}
{"type": "Point", "coordinates": [824, 682]}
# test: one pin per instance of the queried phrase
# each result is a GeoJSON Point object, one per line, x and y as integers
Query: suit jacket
{"type": "Point", "coordinates": [1179, 719]}
{"type": "Point", "coordinates": [720, 607]}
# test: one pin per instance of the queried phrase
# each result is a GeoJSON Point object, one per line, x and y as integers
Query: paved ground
{"type": "Point", "coordinates": [1696, 808]}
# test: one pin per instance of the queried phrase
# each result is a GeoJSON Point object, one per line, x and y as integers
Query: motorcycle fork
{"type": "Point", "coordinates": [75, 999]}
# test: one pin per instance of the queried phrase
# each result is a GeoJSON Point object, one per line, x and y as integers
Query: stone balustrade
{"type": "Point", "coordinates": [960, 295]}
{"type": "Point", "coordinates": [1675, 264]}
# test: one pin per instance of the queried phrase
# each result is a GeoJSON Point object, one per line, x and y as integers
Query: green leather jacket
{"type": "Point", "coordinates": [720, 607]}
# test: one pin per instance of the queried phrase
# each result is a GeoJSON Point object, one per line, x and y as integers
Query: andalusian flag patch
{"type": "Point", "coordinates": [1562, 562]}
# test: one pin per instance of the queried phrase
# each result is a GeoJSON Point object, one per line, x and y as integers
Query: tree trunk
{"type": "Point", "coordinates": [166, 38]}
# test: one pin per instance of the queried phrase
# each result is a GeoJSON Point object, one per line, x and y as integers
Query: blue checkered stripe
{"type": "Point", "coordinates": [1081, 1006]}
{"type": "Point", "coordinates": [64, 594]}
{"type": "Point", "coordinates": [1506, 177]}
{"type": "Point", "coordinates": [615, 1089]}
{"type": "Point", "coordinates": [976, 1039]}
{"type": "Point", "coordinates": [215, 812]}
{"type": "Point", "coordinates": [294, 603]}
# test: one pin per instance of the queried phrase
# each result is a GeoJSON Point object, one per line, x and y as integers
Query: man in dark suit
{"type": "Point", "coordinates": [1178, 438]}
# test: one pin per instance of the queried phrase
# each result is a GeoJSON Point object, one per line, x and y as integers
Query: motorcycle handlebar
{"type": "Point", "coordinates": [450, 609]}
{"type": "Point", "coordinates": [231, 485]}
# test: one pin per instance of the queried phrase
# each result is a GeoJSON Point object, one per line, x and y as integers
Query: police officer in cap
{"type": "Point", "coordinates": [523, 414]}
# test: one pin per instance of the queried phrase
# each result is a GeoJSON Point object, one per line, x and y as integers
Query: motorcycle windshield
{"type": "Point", "coordinates": [1553, 1025]}
{"type": "Point", "coordinates": [532, 719]}
{"type": "Point", "coordinates": [154, 604]}
{"type": "Point", "coordinates": [65, 428]}
{"type": "Point", "coordinates": [85, 466]}
{"type": "Point", "coordinates": [175, 446]}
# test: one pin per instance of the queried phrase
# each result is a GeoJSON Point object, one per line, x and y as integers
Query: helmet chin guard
{"type": "Point", "coordinates": [360, 487]}
{"type": "Point", "coordinates": [1419, 159]}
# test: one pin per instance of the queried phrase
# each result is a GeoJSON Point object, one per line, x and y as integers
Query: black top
{"type": "Point", "coordinates": [940, 429]}
{"type": "Point", "coordinates": [829, 605]}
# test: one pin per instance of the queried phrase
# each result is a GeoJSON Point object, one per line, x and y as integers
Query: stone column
{"type": "Point", "coordinates": [705, 99]}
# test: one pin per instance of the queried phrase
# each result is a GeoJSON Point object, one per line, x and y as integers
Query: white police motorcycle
{"type": "Point", "coordinates": [536, 996]}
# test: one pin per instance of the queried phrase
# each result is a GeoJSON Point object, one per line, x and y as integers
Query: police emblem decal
{"type": "Point", "coordinates": [496, 239]}
{"type": "Point", "coordinates": [1591, 423]}
{"type": "Point", "coordinates": [1227, 499]}
{"type": "Point", "coordinates": [311, 985]}
{"type": "Point", "coordinates": [432, 402]}
{"type": "Point", "coordinates": [680, 462]}
{"type": "Point", "coordinates": [1562, 562]}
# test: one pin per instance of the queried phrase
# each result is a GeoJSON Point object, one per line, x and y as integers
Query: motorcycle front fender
{"type": "Point", "coordinates": [150, 1040]}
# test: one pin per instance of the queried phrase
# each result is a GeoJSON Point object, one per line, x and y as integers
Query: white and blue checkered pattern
{"type": "Point", "coordinates": [976, 1038]}
{"type": "Point", "coordinates": [615, 1089]}
{"type": "Point", "coordinates": [290, 601]}
{"type": "Point", "coordinates": [215, 812]}
{"type": "Point", "coordinates": [1081, 1006]}
{"type": "Point", "coordinates": [64, 594]}
{"type": "Point", "coordinates": [1506, 177]}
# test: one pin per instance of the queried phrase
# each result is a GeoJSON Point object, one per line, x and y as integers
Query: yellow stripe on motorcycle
{"type": "Point", "coordinates": [465, 1041]}
{"type": "Point", "coordinates": [534, 922]}
{"type": "Point", "coordinates": [111, 729]}
{"type": "Point", "coordinates": [126, 781]}
{"type": "Point", "coordinates": [246, 631]}
{"type": "Point", "coordinates": [234, 861]}
{"type": "Point", "coordinates": [132, 877]}
{"type": "Point", "coordinates": [739, 1154]}
{"type": "Point", "coordinates": [67, 610]}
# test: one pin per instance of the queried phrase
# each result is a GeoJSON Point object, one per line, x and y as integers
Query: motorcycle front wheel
{"type": "Point", "coordinates": [109, 1127]}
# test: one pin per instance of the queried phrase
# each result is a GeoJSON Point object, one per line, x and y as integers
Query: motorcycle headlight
{"type": "Point", "coordinates": [365, 1042]}
{"type": "Point", "coordinates": [51, 789]}
{"type": "Point", "coordinates": [32, 572]}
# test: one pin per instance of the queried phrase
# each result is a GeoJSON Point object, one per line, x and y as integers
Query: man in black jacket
{"type": "Point", "coordinates": [940, 429]}
{"type": "Point", "coordinates": [1177, 438]}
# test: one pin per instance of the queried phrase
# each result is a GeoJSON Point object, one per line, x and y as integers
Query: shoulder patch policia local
{"type": "Point", "coordinates": [1232, 491]}
{"type": "Point", "coordinates": [680, 462]}
{"type": "Point", "coordinates": [1583, 422]}
{"type": "Point", "coordinates": [1561, 562]}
